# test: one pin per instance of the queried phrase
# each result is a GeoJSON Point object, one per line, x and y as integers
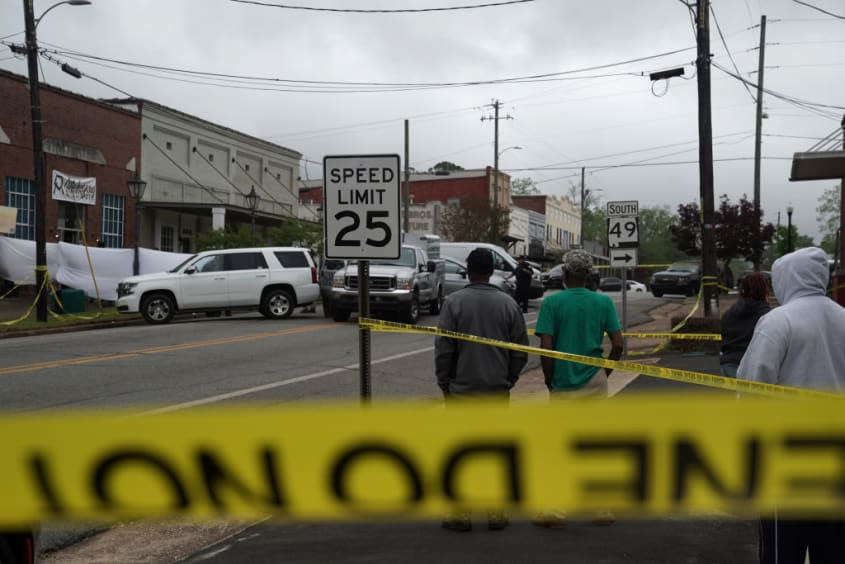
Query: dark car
{"type": "Point", "coordinates": [553, 279]}
{"type": "Point", "coordinates": [680, 278]}
{"type": "Point", "coordinates": [610, 284]}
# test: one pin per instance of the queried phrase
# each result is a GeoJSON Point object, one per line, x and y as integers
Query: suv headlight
{"type": "Point", "coordinates": [683, 279]}
{"type": "Point", "coordinates": [125, 288]}
{"type": "Point", "coordinates": [403, 283]}
{"type": "Point", "coordinates": [337, 282]}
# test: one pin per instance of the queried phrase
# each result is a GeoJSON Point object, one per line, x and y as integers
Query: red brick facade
{"type": "Point", "coordinates": [70, 119]}
{"type": "Point", "coordinates": [534, 203]}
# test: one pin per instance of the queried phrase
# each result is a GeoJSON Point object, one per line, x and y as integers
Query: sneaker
{"type": "Point", "coordinates": [550, 520]}
{"type": "Point", "coordinates": [459, 522]}
{"type": "Point", "coordinates": [496, 520]}
{"type": "Point", "coordinates": [604, 518]}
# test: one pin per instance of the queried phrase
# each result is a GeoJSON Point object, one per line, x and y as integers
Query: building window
{"type": "Point", "coordinates": [113, 220]}
{"type": "Point", "coordinates": [167, 238]}
{"type": "Point", "coordinates": [20, 194]}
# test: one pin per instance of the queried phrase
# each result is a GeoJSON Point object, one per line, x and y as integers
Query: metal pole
{"type": "Point", "coordinates": [788, 231]}
{"type": "Point", "coordinates": [252, 222]}
{"type": "Point", "coordinates": [495, 233]}
{"type": "Point", "coordinates": [37, 161]}
{"type": "Point", "coordinates": [583, 207]}
{"type": "Point", "coordinates": [759, 128]}
{"type": "Point", "coordinates": [136, 263]}
{"type": "Point", "coordinates": [406, 193]}
{"type": "Point", "coordinates": [705, 159]}
{"type": "Point", "coordinates": [363, 333]}
{"type": "Point", "coordinates": [624, 310]}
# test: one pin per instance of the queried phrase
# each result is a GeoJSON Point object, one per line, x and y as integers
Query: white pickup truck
{"type": "Point", "coordinates": [400, 285]}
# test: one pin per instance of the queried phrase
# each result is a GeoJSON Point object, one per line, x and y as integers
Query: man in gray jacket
{"type": "Point", "coordinates": [800, 344]}
{"type": "Point", "coordinates": [472, 370]}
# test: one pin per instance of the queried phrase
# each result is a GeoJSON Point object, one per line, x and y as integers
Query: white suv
{"type": "Point", "coordinates": [273, 280]}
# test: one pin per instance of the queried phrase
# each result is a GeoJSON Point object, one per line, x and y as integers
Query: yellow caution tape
{"type": "Point", "coordinates": [637, 456]}
{"type": "Point", "coordinates": [686, 376]}
{"type": "Point", "coordinates": [679, 336]}
{"type": "Point", "coordinates": [637, 266]}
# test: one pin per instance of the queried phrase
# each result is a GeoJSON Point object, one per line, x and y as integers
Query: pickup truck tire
{"type": "Point", "coordinates": [692, 291]}
{"type": "Point", "coordinates": [277, 304]}
{"type": "Point", "coordinates": [411, 313]}
{"type": "Point", "coordinates": [436, 305]}
{"type": "Point", "coordinates": [657, 293]}
{"type": "Point", "coordinates": [340, 315]}
{"type": "Point", "coordinates": [158, 309]}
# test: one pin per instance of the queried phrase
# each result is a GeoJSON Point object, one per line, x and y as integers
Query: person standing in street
{"type": "Point", "coordinates": [740, 319]}
{"type": "Point", "coordinates": [575, 321]}
{"type": "Point", "coordinates": [800, 344]}
{"type": "Point", "coordinates": [523, 273]}
{"type": "Point", "coordinates": [467, 370]}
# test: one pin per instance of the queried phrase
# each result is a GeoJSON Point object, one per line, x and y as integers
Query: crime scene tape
{"type": "Point", "coordinates": [633, 267]}
{"type": "Point", "coordinates": [637, 456]}
{"type": "Point", "coordinates": [668, 335]}
{"type": "Point", "coordinates": [686, 376]}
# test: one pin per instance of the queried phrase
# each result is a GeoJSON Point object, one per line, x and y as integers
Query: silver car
{"type": "Point", "coordinates": [456, 278]}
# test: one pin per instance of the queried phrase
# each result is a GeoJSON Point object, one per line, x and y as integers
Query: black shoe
{"type": "Point", "coordinates": [497, 521]}
{"type": "Point", "coordinates": [457, 525]}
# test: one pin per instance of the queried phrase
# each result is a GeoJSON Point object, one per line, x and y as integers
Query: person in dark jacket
{"type": "Point", "coordinates": [523, 273]}
{"type": "Point", "coordinates": [739, 321]}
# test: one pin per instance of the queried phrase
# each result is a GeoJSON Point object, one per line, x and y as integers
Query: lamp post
{"type": "Point", "coordinates": [136, 190]}
{"type": "Point", "coordinates": [31, 24]}
{"type": "Point", "coordinates": [252, 203]}
{"type": "Point", "coordinates": [789, 211]}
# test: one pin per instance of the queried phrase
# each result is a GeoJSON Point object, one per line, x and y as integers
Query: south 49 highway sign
{"type": "Point", "coordinates": [361, 207]}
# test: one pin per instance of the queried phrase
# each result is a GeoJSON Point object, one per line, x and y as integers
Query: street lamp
{"type": "Point", "coordinates": [252, 203]}
{"type": "Point", "coordinates": [789, 211]}
{"type": "Point", "coordinates": [136, 190]}
{"type": "Point", "coordinates": [31, 24]}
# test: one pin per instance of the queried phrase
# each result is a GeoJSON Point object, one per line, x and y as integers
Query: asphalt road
{"type": "Point", "coordinates": [246, 358]}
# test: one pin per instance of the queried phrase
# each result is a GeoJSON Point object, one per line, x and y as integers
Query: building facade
{"type": "Point", "coordinates": [91, 149]}
{"type": "Point", "coordinates": [562, 220]}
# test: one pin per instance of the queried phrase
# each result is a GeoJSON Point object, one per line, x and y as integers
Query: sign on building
{"type": "Point", "coordinates": [74, 188]}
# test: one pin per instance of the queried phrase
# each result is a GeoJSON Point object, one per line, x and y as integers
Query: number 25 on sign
{"type": "Point", "coordinates": [622, 231]}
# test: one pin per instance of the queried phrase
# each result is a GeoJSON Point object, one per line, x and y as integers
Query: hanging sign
{"type": "Point", "coordinates": [74, 188]}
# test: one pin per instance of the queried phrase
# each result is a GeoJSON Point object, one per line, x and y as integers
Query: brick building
{"type": "Point", "coordinates": [89, 145]}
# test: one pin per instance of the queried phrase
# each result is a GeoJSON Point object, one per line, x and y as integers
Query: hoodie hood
{"type": "Point", "coordinates": [799, 274]}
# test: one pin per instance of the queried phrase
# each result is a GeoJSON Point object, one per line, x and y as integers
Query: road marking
{"type": "Point", "coordinates": [272, 385]}
{"type": "Point", "coordinates": [157, 350]}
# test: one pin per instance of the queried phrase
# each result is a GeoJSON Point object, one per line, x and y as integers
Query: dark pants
{"type": "Point", "coordinates": [522, 298]}
{"type": "Point", "coordinates": [785, 542]}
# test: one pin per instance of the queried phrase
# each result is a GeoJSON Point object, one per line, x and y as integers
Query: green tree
{"type": "Point", "coordinates": [594, 218]}
{"type": "Point", "coordinates": [445, 166]}
{"type": "Point", "coordinates": [227, 239]}
{"type": "Point", "coordinates": [475, 219]}
{"type": "Point", "coordinates": [781, 243]}
{"type": "Point", "coordinates": [524, 187]}
{"type": "Point", "coordinates": [296, 233]}
{"type": "Point", "coordinates": [828, 210]}
{"type": "Point", "coordinates": [655, 247]}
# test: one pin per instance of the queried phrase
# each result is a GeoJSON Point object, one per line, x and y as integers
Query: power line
{"type": "Point", "coordinates": [728, 51]}
{"type": "Point", "coordinates": [819, 9]}
{"type": "Point", "coordinates": [402, 11]}
{"type": "Point", "coordinates": [177, 165]}
{"type": "Point", "coordinates": [643, 164]}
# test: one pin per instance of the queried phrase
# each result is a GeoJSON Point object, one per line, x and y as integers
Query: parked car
{"type": "Point", "coordinates": [610, 284]}
{"type": "Point", "coordinates": [553, 279]}
{"type": "Point", "coordinates": [273, 280]}
{"type": "Point", "coordinates": [456, 278]}
{"type": "Point", "coordinates": [504, 264]}
{"type": "Point", "coordinates": [327, 269]}
{"type": "Point", "coordinates": [679, 278]}
{"type": "Point", "coordinates": [634, 286]}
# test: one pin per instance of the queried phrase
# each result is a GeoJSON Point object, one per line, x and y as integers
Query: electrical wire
{"type": "Point", "coordinates": [185, 172]}
{"type": "Point", "coordinates": [819, 9]}
{"type": "Point", "coordinates": [401, 11]}
{"type": "Point", "coordinates": [728, 51]}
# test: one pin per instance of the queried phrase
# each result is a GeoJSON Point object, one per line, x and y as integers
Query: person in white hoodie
{"type": "Point", "coordinates": [800, 344]}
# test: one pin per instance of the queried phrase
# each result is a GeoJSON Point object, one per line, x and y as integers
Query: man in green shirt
{"type": "Point", "coordinates": [574, 321]}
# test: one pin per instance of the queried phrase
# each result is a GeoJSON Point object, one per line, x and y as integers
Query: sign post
{"type": "Point", "coordinates": [361, 214]}
{"type": "Point", "coordinates": [623, 238]}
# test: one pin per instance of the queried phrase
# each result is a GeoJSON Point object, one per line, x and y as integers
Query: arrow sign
{"type": "Point", "coordinates": [623, 257]}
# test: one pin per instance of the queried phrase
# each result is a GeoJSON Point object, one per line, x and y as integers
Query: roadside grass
{"type": "Point", "coordinates": [92, 315]}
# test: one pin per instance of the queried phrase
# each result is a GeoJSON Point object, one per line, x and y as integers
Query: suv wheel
{"type": "Point", "coordinates": [157, 309]}
{"type": "Point", "coordinates": [340, 315]}
{"type": "Point", "coordinates": [412, 312]}
{"type": "Point", "coordinates": [657, 293]}
{"type": "Point", "coordinates": [437, 304]}
{"type": "Point", "coordinates": [277, 304]}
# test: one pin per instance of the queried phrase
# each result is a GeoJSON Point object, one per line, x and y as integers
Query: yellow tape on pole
{"type": "Point", "coordinates": [638, 456]}
{"type": "Point", "coordinates": [686, 376]}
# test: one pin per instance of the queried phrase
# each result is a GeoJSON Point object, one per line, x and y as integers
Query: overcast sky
{"type": "Point", "coordinates": [597, 118]}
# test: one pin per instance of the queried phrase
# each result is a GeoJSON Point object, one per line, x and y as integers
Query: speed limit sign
{"type": "Point", "coordinates": [361, 207]}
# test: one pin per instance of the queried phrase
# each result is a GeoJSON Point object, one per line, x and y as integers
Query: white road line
{"type": "Point", "coordinates": [272, 385]}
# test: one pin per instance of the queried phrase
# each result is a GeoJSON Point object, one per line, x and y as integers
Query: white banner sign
{"type": "Point", "coordinates": [74, 188]}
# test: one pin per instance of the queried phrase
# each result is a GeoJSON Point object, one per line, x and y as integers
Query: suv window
{"type": "Point", "coordinates": [453, 267]}
{"type": "Point", "coordinates": [210, 263]}
{"type": "Point", "coordinates": [292, 259]}
{"type": "Point", "coordinates": [245, 261]}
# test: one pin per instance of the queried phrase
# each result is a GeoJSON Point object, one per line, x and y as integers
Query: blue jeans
{"type": "Point", "coordinates": [729, 370]}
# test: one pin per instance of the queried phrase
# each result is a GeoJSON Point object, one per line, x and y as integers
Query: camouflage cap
{"type": "Point", "coordinates": [578, 262]}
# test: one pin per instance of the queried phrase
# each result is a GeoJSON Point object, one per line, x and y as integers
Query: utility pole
{"type": "Point", "coordinates": [583, 195]}
{"type": "Point", "coordinates": [495, 219]}
{"type": "Point", "coordinates": [406, 192]}
{"type": "Point", "coordinates": [37, 162]}
{"type": "Point", "coordinates": [759, 130]}
{"type": "Point", "coordinates": [705, 160]}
